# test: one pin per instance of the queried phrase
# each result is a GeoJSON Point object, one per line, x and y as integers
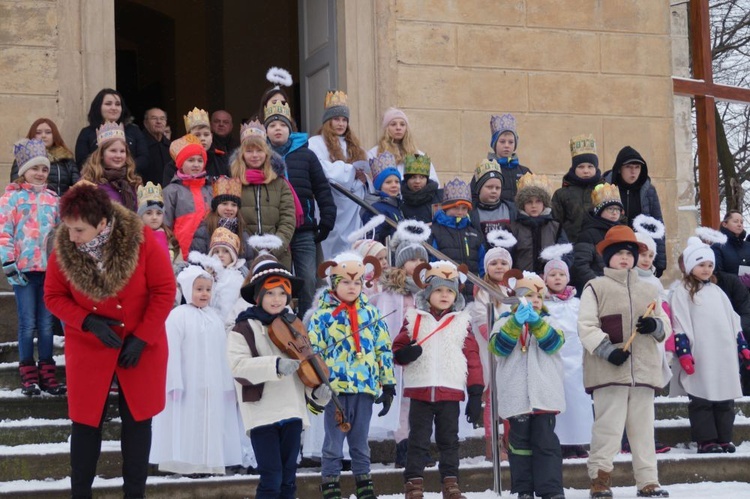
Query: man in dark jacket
{"type": "Point", "coordinates": [311, 185]}
{"type": "Point", "coordinates": [221, 129]}
{"type": "Point", "coordinates": [630, 175]}
{"type": "Point", "coordinates": [154, 124]}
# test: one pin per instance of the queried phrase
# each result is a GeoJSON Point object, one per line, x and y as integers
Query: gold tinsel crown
{"type": "Point", "coordinates": [582, 144]}
{"type": "Point", "coordinates": [335, 98]}
{"type": "Point", "coordinates": [253, 129]}
{"type": "Point", "coordinates": [605, 193]}
{"type": "Point", "coordinates": [196, 117]}
{"type": "Point", "coordinates": [178, 145]}
{"type": "Point", "coordinates": [532, 180]}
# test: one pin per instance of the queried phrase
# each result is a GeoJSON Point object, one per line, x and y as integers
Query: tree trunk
{"type": "Point", "coordinates": [732, 187]}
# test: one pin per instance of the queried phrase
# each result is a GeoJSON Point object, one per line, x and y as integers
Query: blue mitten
{"type": "Point", "coordinates": [15, 277]}
{"type": "Point", "coordinates": [533, 315]}
{"type": "Point", "coordinates": [523, 312]}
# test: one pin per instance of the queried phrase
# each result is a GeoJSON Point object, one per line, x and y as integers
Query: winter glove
{"type": "Point", "coordinates": [386, 398]}
{"type": "Point", "coordinates": [322, 394]}
{"type": "Point", "coordinates": [99, 326]}
{"type": "Point", "coordinates": [132, 348]}
{"type": "Point", "coordinates": [744, 350]}
{"type": "Point", "coordinates": [408, 354]}
{"type": "Point", "coordinates": [285, 367]}
{"type": "Point", "coordinates": [523, 313]}
{"type": "Point", "coordinates": [745, 358]}
{"type": "Point", "coordinates": [533, 317]}
{"type": "Point", "coordinates": [474, 405]}
{"type": "Point", "coordinates": [618, 356]}
{"type": "Point", "coordinates": [687, 363]}
{"type": "Point", "coordinates": [15, 277]}
{"type": "Point", "coordinates": [646, 325]}
{"type": "Point", "coordinates": [322, 234]}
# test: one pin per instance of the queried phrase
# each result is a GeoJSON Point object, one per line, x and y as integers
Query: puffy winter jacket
{"type": "Point", "coordinates": [310, 183]}
{"type": "Point", "coordinates": [571, 202]}
{"type": "Point", "coordinates": [63, 171]}
{"type": "Point", "coordinates": [533, 235]}
{"type": "Point", "coordinates": [180, 209]}
{"type": "Point", "coordinates": [733, 253]}
{"type": "Point", "coordinates": [86, 144]}
{"type": "Point", "coordinates": [28, 216]}
{"type": "Point", "coordinates": [639, 197]}
{"type": "Point", "coordinates": [331, 333]}
{"type": "Point", "coordinates": [386, 205]}
{"type": "Point", "coordinates": [459, 241]}
{"type": "Point", "coordinates": [587, 263]}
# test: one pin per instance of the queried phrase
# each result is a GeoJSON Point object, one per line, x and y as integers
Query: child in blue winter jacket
{"type": "Point", "coordinates": [354, 342]}
{"type": "Point", "coordinates": [386, 180]}
{"type": "Point", "coordinates": [28, 215]}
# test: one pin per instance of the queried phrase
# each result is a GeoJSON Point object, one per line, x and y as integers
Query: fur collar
{"type": "Point", "coordinates": [120, 258]}
{"type": "Point", "coordinates": [58, 153]}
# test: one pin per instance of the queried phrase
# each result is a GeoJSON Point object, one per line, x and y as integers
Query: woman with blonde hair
{"type": "Point", "coordinates": [269, 205]}
{"type": "Point", "coordinates": [344, 161]}
{"type": "Point", "coordinates": [398, 140]}
{"type": "Point", "coordinates": [111, 166]}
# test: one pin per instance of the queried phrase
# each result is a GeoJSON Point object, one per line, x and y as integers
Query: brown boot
{"type": "Point", "coordinates": [414, 488]}
{"type": "Point", "coordinates": [601, 485]}
{"type": "Point", "coordinates": [450, 488]}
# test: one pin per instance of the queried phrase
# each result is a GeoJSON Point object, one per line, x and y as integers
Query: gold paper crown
{"type": "Point", "coordinates": [253, 129]}
{"type": "Point", "coordinates": [603, 194]}
{"type": "Point", "coordinates": [335, 98]}
{"type": "Point", "coordinates": [582, 144]}
{"type": "Point", "coordinates": [178, 145]}
{"type": "Point", "coordinates": [487, 166]}
{"type": "Point", "coordinates": [227, 186]}
{"type": "Point", "coordinates": [532, 180]}
{"type": "Point", "coordinates": [149, 193]}
{"type": "Point", "coordinates": [225, 237]}
{"type": "Point", "coordinates": [108, 131]}
{"type": "Point", "coordinates": [196, 117]}
{"type": "Point", "coordinates": [277, 108]}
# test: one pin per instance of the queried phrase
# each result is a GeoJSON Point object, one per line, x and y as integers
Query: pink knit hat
{"type": "Point", "coordinates": [367, 247]}
{"type": "Point", "coordinates": [556, 265]}
{"type": "Point", "coordinates": [391, 114]}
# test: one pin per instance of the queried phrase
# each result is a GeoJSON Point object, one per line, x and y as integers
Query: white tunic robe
{"type": "Point", "coordinates": [574, 423]}
{"type": "Point", "coordinates": [347, 211]}
{"type": "Point", "coordinates": [711, 325]}
{"type": "Point", "coordinates": [200, 428]}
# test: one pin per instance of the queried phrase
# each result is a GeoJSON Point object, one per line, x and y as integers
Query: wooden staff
{"type": "Point", "coordinates": [649, 310]}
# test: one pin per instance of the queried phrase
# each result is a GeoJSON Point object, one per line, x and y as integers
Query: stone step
{"type": "Point", "coordinates": [475, 477]}
{"type": "Point", "coordinates": [9, 351]}
{"type": "Point", "coordinates": [15, 406]}
{"type": "Point", "coordinates": [676, 407]}
{"type": "Point", "coordinates": [41, 431]}
{"type": "Point", "coordinates": [10, 379]}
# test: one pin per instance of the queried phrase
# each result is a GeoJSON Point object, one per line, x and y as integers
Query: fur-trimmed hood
{"type": "Point", "coordinates": [525, 194]}
{"type": "Point", "coordinates": [58, 153]}
{"type": "Point", "coordinates": [120, 257]}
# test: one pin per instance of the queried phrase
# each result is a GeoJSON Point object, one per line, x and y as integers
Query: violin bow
{"type": "Point", "coordinates": [361, 328]}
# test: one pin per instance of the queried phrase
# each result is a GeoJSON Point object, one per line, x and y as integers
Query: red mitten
{"type": "Point", "coordinates": [687, 363]}
{"type": "Point", "coordinates": [745, 358]}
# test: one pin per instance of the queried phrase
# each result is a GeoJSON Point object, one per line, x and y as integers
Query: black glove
{"type": "Point", "coordinates": [99, 326]}
{"type": "Point", "coordinates": [408, 354]}
{"type": "Point", "coordinates": [474, 405]}
{"type": "Point", "coordinates": [658, 272]}
{"type": "Point", "coordinates": [386, 398]}
{"type": "Point", "coordinates": [645, 325]}
{"type": "Point", "coordinates": [618, 356]}
{"type": "Point", "coordinates": [322, 234]}
{"type": "Point", "coordinates": [131, 351]}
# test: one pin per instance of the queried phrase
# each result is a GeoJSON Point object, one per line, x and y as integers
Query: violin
{"type": "Point", "coordinates": [288, 334]}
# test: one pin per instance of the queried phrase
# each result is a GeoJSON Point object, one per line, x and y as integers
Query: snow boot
{"type": "Point", "coordinates": [709, 448]}
{"type": "Point", "coordinates": [331, 488]}
{"type": "Point", "coordinates": [47, 379]}
{"type": "Point", "coordinates": [450, 488]}
{"type": "Point", "coordinates": [365, 490]}
{"type": "Point", "coordinates": [29, 378]}
{"type": "Point", "coordinates": [728, 447]}
{"type": "Point", "coordinates": [414, 488]}
{"type": "Point", "coordinates": [601, 485]}
{"type": "Point", "coordinates": [652, 490]}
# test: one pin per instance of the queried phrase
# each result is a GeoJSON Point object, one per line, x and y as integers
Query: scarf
{"type": "Point", "coordinates": [351, 310]}
{"type": "Point", "coordinates": [420, 197]}
{"type": "Point", "coordinates": [117, 178]}
{"type": "Point", "coordinates": [256, 177]}
{"type": "Point", "coordinates": [566, 294]}
{"type": "Point", "coordinates": [230, 224]}
{"type": "Point", "coordinates": [256, 312]}
{"type": "Point", "coordinates": [95, 247]}
{"type": "Point", "coordinates": [508, 163]}
{"type": "Point", "coordinates": [186, 225]}
{"type": "Point", "coordinates": [283, 150]}
{"type": "Point", "coordinates": [487, 207]}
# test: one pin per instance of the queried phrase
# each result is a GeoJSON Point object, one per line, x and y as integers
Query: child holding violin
{"type": "Point", "coordinates": [354, 342]}
{"type": "Point", "coordinates": [273, 399]}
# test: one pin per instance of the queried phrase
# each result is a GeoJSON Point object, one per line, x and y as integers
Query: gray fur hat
{"type": "Point", "coordinates": [525, 194]}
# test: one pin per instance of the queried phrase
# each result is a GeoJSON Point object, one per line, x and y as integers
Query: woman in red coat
{"type": "Point", "coordinates": [112, 286]}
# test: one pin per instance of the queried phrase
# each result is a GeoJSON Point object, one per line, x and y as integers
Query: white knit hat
{"type": "Point", "coordinates": [696, 253]}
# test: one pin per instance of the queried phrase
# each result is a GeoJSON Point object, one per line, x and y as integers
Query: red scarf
{"type": "Point", "coordinates": [351, 309]}
{"type": "Point", "coordinates": [186, 225]}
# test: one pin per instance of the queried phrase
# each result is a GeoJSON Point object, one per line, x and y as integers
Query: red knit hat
{"type": "Point", "coordinates": [185, 147]}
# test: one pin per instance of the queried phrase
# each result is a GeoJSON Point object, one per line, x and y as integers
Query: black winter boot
{"type": "Point", "coordinates": [364, 486]}
{"type": "Point", "coordinates": [29, 378]}
{"type": "Point", "coordinates": [331, 488]}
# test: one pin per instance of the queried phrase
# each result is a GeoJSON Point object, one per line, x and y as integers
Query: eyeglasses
{"type": "Point", "coordinates": [613, 209]}
{"type": "Point", "coordinates": [157, 118]}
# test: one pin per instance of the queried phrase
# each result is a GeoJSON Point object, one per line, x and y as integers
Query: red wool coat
{"type": "Point", "coordinates": [136, 287]}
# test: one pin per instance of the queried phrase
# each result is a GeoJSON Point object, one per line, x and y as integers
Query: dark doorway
{"type": "Point", "coordinates": [211, 54]}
